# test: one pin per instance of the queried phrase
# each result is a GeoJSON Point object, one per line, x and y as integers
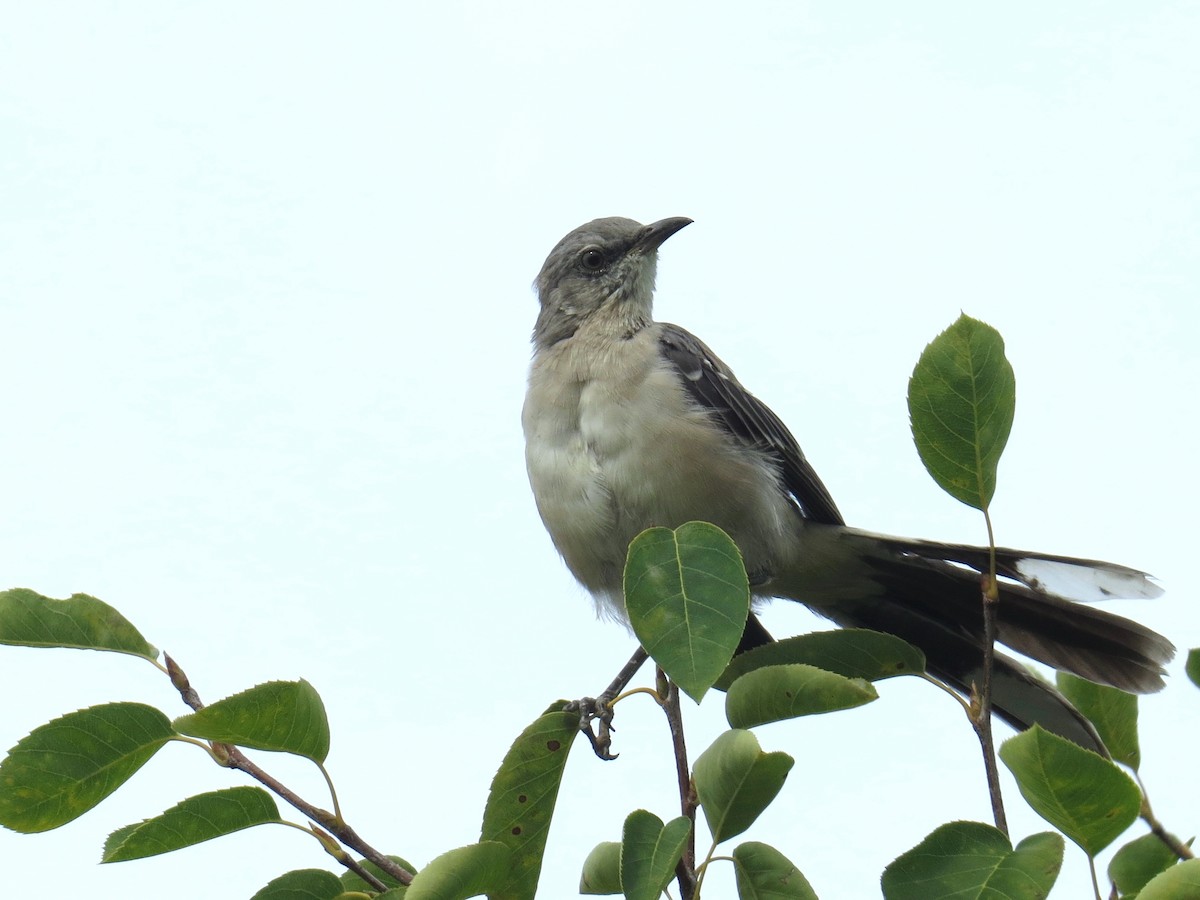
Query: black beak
{"type": "Point", "coordinates": [652, 236]}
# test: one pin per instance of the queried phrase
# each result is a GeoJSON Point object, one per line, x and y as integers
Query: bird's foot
{"type": "Point", "coordinates": [596, 710]}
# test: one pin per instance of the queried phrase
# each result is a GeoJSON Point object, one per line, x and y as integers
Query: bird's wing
{"type": "Point", "coordinates": [714, 387]}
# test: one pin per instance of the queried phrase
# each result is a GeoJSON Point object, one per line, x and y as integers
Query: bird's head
{"type": "Point", "coordinates": [605, 267]}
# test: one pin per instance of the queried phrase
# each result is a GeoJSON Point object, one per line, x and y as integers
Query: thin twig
{"type": "Point", "coordinates": [234, 758]}
{"type": "Point", "coordinates": [981, 717]}
{"type": "Point", "coordinates": [982, 703]}
{"type": "Point", "coordinates": [1176, 846]}
{"type": "Point", "coordinates": [627, 672]}
{"type": "Point", "coordinates": [685, 871]}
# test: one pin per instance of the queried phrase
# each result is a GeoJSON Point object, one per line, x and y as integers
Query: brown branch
{"type": "Point", "coordinates": [234, 758]}
{"type": "Point", "coordinates": [685, 871]}
{"type": "Point", "coordinates": [981, 703]}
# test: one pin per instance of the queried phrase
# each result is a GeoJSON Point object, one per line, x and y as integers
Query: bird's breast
{"type": "Point", "coordinates": [614, 445]}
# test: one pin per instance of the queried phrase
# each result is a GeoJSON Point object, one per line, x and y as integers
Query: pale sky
{"type": "Point", "coordinates": [265, 303]}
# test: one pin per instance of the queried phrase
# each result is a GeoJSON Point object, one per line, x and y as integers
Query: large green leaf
{"type": "Point", "coordinates": [1080, 793]}
{"type": "Point", "coordinates": [28, 619]}
{"type": "Point", "coordinates": [961, 402]}
{"type": "Point", "coordinates": [65, 767]}
{"type": "Point", "coordinates": [774, 693]}
{"type": "Point", "coordinates": [192, 821]}
{"type": "Point", "coordinates": [687, 597]}
{"type": "Point", "coordinates": [971, 859]}
{"type": "Point", "coordinates": [521, 803]}
{"type": "Point", "coordinates": [763, 873]}
{"type": "Point", "coordinates": [649, 852]}
{"type": "Point", "coordinates": [1114, 713]}
{"type": "Point", "coordinates": [465, 872]}
{"type": "Point", "coordinates": [284, 716]}
{"type": "Point", "coordinates": [851, 652]}
{"type": "Point", "coordinates": [735, 781]}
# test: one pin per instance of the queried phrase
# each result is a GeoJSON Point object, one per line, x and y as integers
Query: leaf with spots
{"type": "Point", "coordinates": [66, 767]}
{"type": "Point", "coordinates": [961, 400]}
{"type": "Point", "coordinates": [522, 798]}
{"type": "Point", "coordinates": [284, 716]}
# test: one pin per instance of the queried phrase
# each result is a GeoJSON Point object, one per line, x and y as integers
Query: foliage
{"type": "Point", "coordinates": [687, 594]}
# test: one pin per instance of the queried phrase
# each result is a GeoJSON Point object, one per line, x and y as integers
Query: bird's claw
{"type": "Point", "coordinates": [598, 710]}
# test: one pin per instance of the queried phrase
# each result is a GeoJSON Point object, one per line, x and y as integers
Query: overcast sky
{"type": "Point", "coordinates": [265, 305]}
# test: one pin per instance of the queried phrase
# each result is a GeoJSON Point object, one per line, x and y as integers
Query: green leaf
{"type": "Point", "coordinates": [193, 821]}
{"type": "Point", "coordinates": [649, 852]}
{"type": "Point", "coordinates": [1193, 666]}
{"type": "Point", "coordinates": [763, 873]}
{"type": "Point", "coordinates": [602, 869]}
{"type": "Point", "coordinates": [961, 402]}
{"type": "Point", "coordinates": [301, 884]}
{"type": "Point", "coordinates": [851, 652]}
{"type": "Point", "coordinates": [736, 781]}
{"type": "Point", "coordinates": [1139, 861]}
{"type": "Point", "coordinates": [1080, 793]}
{"type": "Point", "coordinates": [65, 767]}
{"type": "Point", "coordinates": [971, 859]}
{"type": "Point", "coordinates": [284, 716]}
{"type": "Point", "coordinates": [687, 597]}
{"type": "Point", "coordinates": [1114, 713]}
{"type": "Point", "coordinates": [521, 802]}
{"type": "Point", "coordinates": [1181, 882]}
{"type": "Point", "coordinates": [27, 619]}
{"type": "Point", "coordinates": [351, 881]}
{"type": "Point", "coordinates": [466, 872]}
{"type": "Point", "coordinates": [774, 693]}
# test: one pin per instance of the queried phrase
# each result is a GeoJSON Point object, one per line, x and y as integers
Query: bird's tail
{"type": "Point", "coordinates": [930, 595]}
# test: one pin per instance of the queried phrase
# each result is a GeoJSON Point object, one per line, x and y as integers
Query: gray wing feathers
{"type": "Point", "coordinates": [713, 386]}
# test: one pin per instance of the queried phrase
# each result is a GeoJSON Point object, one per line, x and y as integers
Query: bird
{"type": "Point", "coordinates": [632, 423]}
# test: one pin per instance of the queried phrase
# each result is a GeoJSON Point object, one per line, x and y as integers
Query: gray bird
{"type": "Point", "coordinates": [631, 423]}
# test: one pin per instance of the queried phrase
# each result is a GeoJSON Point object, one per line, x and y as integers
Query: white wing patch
{"type": "Point", "coordinates": [1087, 583]}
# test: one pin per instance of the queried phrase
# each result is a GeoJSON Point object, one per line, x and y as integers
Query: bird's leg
{"type": "Point", "coordinates": [599, 709]}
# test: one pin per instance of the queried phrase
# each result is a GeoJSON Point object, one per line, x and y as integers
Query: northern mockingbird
{"type": "Point", "coordinates": [632, 423]}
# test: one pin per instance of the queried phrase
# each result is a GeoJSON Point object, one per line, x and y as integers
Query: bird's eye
{"type": "Point", "coordinates": [591, 259]}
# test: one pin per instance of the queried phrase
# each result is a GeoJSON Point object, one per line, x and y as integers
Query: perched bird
{"type": "Point", "coordinates": [631, 423]}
